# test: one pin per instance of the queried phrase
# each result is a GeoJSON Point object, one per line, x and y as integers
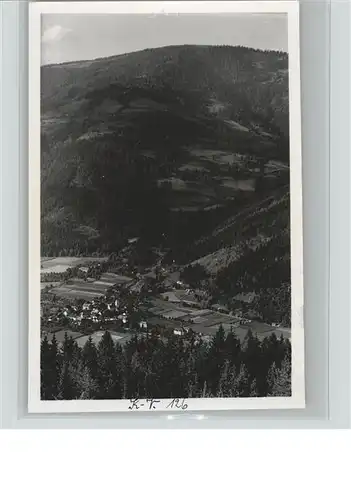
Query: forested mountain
{"type": "Point", "coordinates": [112, 128]}
{"type": "Point", "coordinates": [248, 84]}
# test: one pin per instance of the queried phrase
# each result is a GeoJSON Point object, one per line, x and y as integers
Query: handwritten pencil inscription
{"type": "Point", "coordinates": [157, 404]}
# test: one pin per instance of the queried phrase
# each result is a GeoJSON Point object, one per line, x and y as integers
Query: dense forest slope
{"type": "Point", "coordinates": [186, 147]}
{"type": "Point", "coordinates": [113, 128]}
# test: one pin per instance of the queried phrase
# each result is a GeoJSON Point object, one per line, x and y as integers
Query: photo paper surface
{"type": "Point", "coordinates": [165, 207]}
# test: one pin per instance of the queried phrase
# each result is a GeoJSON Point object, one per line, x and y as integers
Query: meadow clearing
{"type": "Point", "coordinates": [61, 264]}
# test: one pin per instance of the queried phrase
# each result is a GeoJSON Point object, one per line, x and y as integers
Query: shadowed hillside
{"type": "Point", "coordinates": [185, 147]}
{"type": "Point", "coordinates": [112, 127]}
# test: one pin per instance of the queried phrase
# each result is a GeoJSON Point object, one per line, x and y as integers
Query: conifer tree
{"type": "Point", "coordinates": [90, 357]}
{"type": "Point", "coordinates": [233, 348]}
{"type": "Point", "coordinates": [191, 376]}
{"type": "Point", "coordinates": [253, 389]}
{"type": "Point", "coordinates": [280, 379]}
{"type": "Point", "coordinates": [253, 360]}
{"type": "Point", "coordinates": [136, 377]}
{"type": "Point", "coordinates": [45, 370]}
{"type": "Point", "coordinates": [216, 359]}
{"type": "Point", "coordinates": [271, 375]}
{"type": "Point", "coordinates": [273, 351]}
{"type": "Point", "coordinates": [193, 388]}
{"type": "Point", "coordinates": [224, 382]}
{"type": "Point", "coordinates": [49, 368]}
{"type": "Point", "coordinates": [119, 385]}
{"type": "Point", "coordinates": [107, 369]}
{"type": "Point", "coordinates": [55, 362]}
{"type": "Point", "coordinates": [68, 348]}
{"type": "Point", "coordinates": [87, 385]}
{"type": "Point", "coordinates": [67, 388]}
{"type": "Point", "coordinates": [205, 391]}
{"type": "Point", "coordinates": [171, 361]}
{"type": "Point", "coordinates": [241, 383]}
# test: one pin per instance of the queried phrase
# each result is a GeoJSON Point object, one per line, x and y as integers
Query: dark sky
{"type": "Point", "coordinates": [72, 37]}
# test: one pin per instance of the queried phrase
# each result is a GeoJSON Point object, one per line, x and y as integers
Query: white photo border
{"type": "Point", "coordinates": [291, 8]}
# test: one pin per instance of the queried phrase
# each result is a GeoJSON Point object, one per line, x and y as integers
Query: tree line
{"type": "Point", "coordinates": [154, 367]}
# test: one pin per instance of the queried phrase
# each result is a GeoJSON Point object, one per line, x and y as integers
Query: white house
{"type": "Point", "coordinates": [177, 331]}
{"type": "Point", "coordinates": [143, 325]}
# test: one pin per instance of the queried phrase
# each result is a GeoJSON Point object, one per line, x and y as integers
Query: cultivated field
{"type": "Point", "coordinates": [207, 321]}
{"type": "Point", "coordinates": [88, 290]}
{"type": "Point", "coordinates": [61, 264]}
{"type": "Point", "coordinates": [97, 336]}
{"type": "Point", "coordinates": [49, 284]}
{"type": "Point", "coordinates": [60, 335]}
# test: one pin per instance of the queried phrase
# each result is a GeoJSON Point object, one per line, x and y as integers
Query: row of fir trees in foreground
{"type": "Point", "coordinates": [151, 367]}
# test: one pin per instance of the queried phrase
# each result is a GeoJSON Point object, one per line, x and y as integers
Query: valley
{"type": "Point", "coordinates": [165, 217]}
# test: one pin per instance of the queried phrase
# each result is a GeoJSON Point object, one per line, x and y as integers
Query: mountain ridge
{"type": "Point", "coordinates": [176, 46]}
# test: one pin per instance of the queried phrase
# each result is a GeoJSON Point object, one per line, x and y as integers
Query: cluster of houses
{"type": "Point", "coordinates": [181, 330]}
{"type": "Point", "coordinates": [189, 297]}
{"type": "Point", "coordinates": [98, 312]}
{"type": "Point", "coordinates": [95, 311]}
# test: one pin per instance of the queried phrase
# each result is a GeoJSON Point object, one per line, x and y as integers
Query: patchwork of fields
{"type": "Point", "coordinates": [80, 289]}
{"type": "Point", "coordinates": [207, 321]}
{"type": "Point", "coordinates": [61, 264]}
{"type": "Point", "coordinates": [86, 289]}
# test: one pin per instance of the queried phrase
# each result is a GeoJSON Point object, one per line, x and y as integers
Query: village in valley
{"type": "Point", "coordinates": [165, 265]}
{"type": "Point", "coordinates": [84, 297]}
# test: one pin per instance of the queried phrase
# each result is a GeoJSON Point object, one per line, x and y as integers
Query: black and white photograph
{"type": "Point", "coordinates": [165, 206]}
